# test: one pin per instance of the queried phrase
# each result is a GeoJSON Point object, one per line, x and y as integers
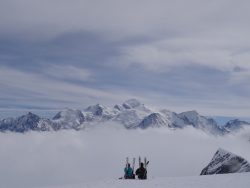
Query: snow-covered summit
{"type": "Point", "coordinates": [131, 113]}
{"type": "Point", "coordinates": [131, 118]}
{"type": "Point", "coordinates": [68, 115]}
{"type": "Point", "coordinates": [68, 119]}
{"type": "Point", "coordinates": [22, 123]}
{"type": "Point", "coordinates": [201, 122]}
{"type": "Point", "coordinates": [28, 121]}
{"type": "Point", "coordinates": [154, 120]}
{"type": "Point", "coordinates": [224, 162]}
{"type": "Point", "coordinates": [99, 112]}
{"type": "Point", "coordinates": [173, 118]}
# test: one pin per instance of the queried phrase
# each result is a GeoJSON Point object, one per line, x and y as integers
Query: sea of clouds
{"type": "Point", "coordinates": [37, 159]}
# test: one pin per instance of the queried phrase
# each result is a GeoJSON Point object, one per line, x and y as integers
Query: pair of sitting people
{"type": "Point", "coordinates": [141, 172]}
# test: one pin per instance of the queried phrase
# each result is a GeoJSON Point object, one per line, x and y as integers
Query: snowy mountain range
{"type": "Point", "coordinates": [131, 114]}
{"type": "Point", "coordinates": [224, 162]}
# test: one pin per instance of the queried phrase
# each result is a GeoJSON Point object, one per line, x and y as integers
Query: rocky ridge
{"type": "Point", "coordinates": [224, 162]}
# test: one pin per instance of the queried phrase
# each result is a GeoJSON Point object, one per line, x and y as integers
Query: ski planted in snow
{"type": "Point", "coordinates": [146, 163]}
{"type": "Point", "coordinates": [127, 161]}
{"type": "Point", "coordinates": [145, 166]}
{"type": "Point", "coordinates": [133, 167]}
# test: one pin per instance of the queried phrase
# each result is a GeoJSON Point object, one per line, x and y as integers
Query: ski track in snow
{"type": "Point", "coordinates": [238, 180]}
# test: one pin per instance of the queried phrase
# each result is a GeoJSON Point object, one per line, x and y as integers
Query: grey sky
{"type": "Point", "coordinates": [180, 55]}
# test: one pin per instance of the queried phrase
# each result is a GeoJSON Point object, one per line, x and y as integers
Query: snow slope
{"type": "Point", "coordinates": [200, 122]}
{"type": "Point", "coordinates": [214, 181]}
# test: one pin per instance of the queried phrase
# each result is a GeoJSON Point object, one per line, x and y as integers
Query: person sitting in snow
{"type": "Point", "coordinates": [129, 174]}
{"type": "Point", "coordinates": [141, 172]}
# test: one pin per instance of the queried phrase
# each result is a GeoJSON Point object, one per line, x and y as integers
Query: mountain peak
{"type": "Point", "coordinates": [222, 152]}
{"type": "Point", "coordinates": [153, 120]}
{"type": "Point", "coordinates": [29, 116]}
{"type": "Point", "coordinates": [224, 162]}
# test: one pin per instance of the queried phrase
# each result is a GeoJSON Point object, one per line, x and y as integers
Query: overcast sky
{"type": "Point", "coordinates": [181, 55]}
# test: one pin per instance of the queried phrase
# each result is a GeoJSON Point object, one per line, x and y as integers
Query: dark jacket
{"type": "Point", "coordinates": [141, 173]}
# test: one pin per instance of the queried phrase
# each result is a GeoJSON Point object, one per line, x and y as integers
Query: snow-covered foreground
{"type": "Point", "coordinates": [239, 180]}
